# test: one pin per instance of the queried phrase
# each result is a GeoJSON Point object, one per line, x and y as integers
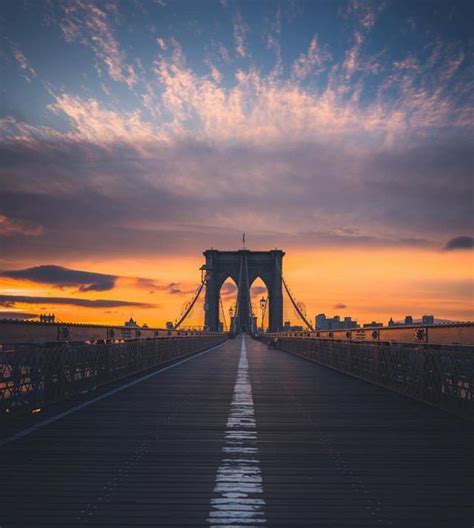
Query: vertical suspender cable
{"type": "Point", "coordinates": [293, 302]}
{"type": "Point", "coordinates": [223, 312]}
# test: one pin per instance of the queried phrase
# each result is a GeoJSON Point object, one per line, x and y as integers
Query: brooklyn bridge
{"type": "Point", "coordinates": [239, 425]}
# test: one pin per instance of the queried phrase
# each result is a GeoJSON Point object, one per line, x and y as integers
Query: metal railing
{"type": "Point", "coordinates": [440, 375]}
{"type": "Point", "coordinates": [34, 376]}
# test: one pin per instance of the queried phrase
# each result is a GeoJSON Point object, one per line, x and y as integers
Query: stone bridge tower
{"type": "Point", "coordinates": [244, 266]}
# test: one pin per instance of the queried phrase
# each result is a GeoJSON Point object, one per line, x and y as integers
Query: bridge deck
{"type": "Point", "coordinates": [243, 436]}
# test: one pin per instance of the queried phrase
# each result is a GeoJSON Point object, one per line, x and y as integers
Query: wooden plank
{"type": "Point", "coordinates": [333, 451]}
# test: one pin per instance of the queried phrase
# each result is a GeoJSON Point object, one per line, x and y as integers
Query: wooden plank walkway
{"type": "Point", "coordinates": [243, 436]}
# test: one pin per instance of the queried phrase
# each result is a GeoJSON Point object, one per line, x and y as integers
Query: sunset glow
{"type": "Point", "coordinates": [133, 136]}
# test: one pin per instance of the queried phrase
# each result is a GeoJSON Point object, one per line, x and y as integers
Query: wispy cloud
{"type": "Point", "coordinates": [295, 151]}
{"type": "Point", "coordinates": [10, 227]}
{"type": "Point", "coordinates": [12, 300]}
{"type": "Point", "coordinates": [61, 277]}
{"type": "Point", "coordinates": [311, 62]}
{"type": "Point", "coordinates": [92, 122]}
{"type": "Point", "coordinates": [84, 21]}
{"type": "Point", "coordinates": [240, 32]}
{"type": "Point", "coordinates": [22, 61]}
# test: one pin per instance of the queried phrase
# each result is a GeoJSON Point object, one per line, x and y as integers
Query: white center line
{"type": "Point", "coordinates": [238, 492]}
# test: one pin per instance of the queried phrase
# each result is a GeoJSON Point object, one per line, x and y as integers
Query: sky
{"type": "Point", "coordinates": [136, 134]}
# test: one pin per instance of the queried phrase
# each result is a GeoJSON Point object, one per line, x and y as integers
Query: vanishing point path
{"type": "Point", "coordinates": [241, 435]}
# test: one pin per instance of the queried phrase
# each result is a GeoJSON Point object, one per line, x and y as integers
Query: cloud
{"type": "Point", "coordinates": [258, 290]}
{"type": "Point", "coordinates": [459, 243]}
{"type": "Point", "coordinates": [85, 281]}
{"type": "Point", "coordinates": [173, 288]}
{"type": "Point", "coordinates": [11, 227]}
{"type": "Point", "coordinates": [22, 61]}
{"type": "Point", "coordinates": [86, 22]}
{"type": "Point", "coordinates": [142, 282]}
{"type": "Point", "coordinates": [161, 43]}
{"type": "Point", "coordinates": [11, 300]}
{"type": "Point", "coordinates": [240, 31]}
{"type": "Point", "coordinates": [294, 156]}
{"type": "Point", "coordinates": [229, 289]}
{"type": "Point", "coordinates": [340, 306]}
{"type": "Point", "coordinates": [60, 277]}
{"type": "Point", "coordinates": [311, 62]}
{"type": "Point", "coordinates": [4, 314]}
{"type": "Point", "coordinates": [93, 123]}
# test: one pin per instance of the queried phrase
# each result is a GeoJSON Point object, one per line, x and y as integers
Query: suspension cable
{"type": "Point", "coordinates": [189, 306]}
{"type": "Point", "coordinates": [293, 301]}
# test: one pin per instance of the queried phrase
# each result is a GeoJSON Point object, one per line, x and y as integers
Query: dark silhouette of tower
{"type": "Point", "coordinates": [244, 266]}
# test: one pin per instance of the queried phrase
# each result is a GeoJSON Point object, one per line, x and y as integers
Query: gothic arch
{"type": "Point", "coordinates": [244, 267]}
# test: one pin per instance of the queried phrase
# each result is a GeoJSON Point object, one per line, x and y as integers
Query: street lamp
{"type": "Point", "coordinates": [263, 306]}
{"type": "Point", "coordinates": [205, 273]}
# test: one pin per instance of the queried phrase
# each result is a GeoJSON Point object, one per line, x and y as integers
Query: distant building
{"type": "Point", "coordinates": [409, 321]}
{"type": "Point", "coordinates": [373, 324]}
{"type": "Point", "coordinates": [169, 325]}
{"type": "Point", "coordinates": [320, 321]}
{"type": "Point", "coordinates": [334, 323]}
{"type": "Point", "coordinates": [47, 318]}
{"type": "Point", "coordinates": [288, 327]}
{"type": "Point", "coordinates": [131, 323]}
{"type": "Point", "coordinates": [349, 323]}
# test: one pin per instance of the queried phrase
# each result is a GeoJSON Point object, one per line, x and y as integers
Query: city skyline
{"type": "Point", "coordinates": [133, 136]}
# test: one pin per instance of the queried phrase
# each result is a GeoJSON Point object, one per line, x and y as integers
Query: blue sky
{"type": "Point", "coordinates": [55, 47]}
{"type": "Point", "coordinates": [166, 127]}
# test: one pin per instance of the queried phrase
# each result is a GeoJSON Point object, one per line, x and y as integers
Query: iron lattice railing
{"type": "Point", "coordinates": [33, 376]}
{"type": "Point", "coordinates": [441, 375]}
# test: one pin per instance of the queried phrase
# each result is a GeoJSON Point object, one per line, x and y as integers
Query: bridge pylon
{"type": "Point", "coordinates": [244, 266]}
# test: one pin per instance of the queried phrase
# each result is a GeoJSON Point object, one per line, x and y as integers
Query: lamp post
{"type": "Point", "coordinates": [205, 273]}
{"type": "Point", "coordinates": [263, 306]}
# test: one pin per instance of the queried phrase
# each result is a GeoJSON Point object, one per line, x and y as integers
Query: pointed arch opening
{"type": "Point", "coordinates": [259, 298]}
{"type": "Point", "coordinates": [228, 293]}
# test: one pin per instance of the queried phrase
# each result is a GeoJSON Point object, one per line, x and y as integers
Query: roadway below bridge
{"type": "Point", "coordinates": [242, 435]}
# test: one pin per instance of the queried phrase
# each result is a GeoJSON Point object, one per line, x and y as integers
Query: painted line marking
{"type": "Point", "coordinates": [83, 405]}
{"type": "Point", "coordinates": [238, 492]}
